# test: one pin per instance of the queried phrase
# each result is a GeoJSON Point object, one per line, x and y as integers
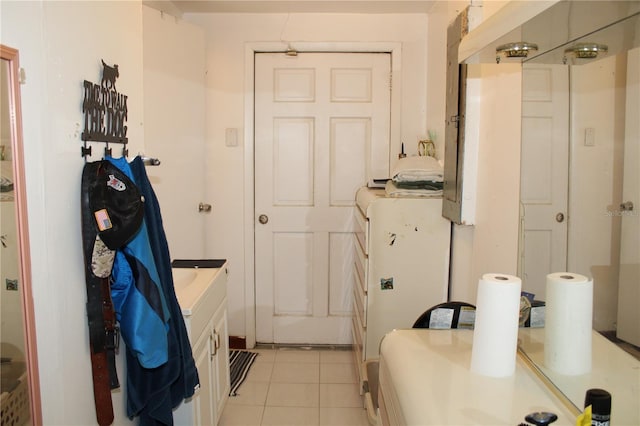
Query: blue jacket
{"type": "Point", "coordinates": [138, 299]}
{"type": "Point", "coordinates": [152, 394]}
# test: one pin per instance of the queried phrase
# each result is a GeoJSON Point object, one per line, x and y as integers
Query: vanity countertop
{"type": "Point", "coordinates": [425, 378]}
{"type": "Point", "coordinates": [194, 286]}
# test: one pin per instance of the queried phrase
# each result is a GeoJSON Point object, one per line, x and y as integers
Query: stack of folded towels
{"type": "Point", "coordinates": [420, 176]}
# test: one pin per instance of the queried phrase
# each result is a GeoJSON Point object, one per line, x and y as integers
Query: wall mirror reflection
{"type": "Point", "coordinates": [19, 377]}
{"type": "Point", "coordinates": [580, 189]}
{"type": "Point", "coordinates": [580, 171]}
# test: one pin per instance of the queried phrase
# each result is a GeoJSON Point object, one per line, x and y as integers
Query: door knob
{"type": "Point", "coordinates": [263, 218]}
{"type": "Point", "coordinates": [560, 217]}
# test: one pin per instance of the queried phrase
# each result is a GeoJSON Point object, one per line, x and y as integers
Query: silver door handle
{"type": "Point", "coordinates": [204, 208]}
{"type": "Point", "coordinates": [560, 217]}
{"type": "Point", "coordinates": [263, 219]}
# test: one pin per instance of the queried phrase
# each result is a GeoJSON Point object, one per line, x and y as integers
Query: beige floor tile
{"type": "Point", "coordinates": [260, 372]}
{"type": "Point", "coordinates": [296, 355]}
{"type": "Point", "coordinates": [287, 387]}
{"type": "Point", "coordinates": [340, 395]}
{"type": "Point", "coordinates": [333, 416]}
{"type": "Point", "coordinates": [337, 373]}
{"type": "Point", "coordinates": [336, 357]}
{"type": "Point", "coordinates": [293, 395]}
{"type": "Point", "coordinates": [265, 355]}
{"type": "Point", "coordinates": [294, 416]}
{"type": "Point", "coordinates": [298, 372]}
{"type": "Point", "coordinates": [250, 393]}
{"type": "Point", "coordinates": [241, 415]}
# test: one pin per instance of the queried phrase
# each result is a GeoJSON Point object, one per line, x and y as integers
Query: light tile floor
{"type": "Point", "coordinates": [294, 386]}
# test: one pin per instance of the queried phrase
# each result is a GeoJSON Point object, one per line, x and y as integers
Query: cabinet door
{"type": "Point", "coordinates": [202, 399]}
{"type": "Point", "coordinates": [220, 361]}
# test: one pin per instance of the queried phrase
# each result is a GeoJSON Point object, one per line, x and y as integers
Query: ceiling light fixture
{"type": "Point", "coordinates": [519, 49]}
{"type": "Point", "coordinates": [585, 51]}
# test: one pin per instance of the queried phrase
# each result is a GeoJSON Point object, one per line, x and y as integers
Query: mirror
{"type": "Point", "coordinates": [580, 154]}
{"type": "Point", "coordinates": [19, 368]}
{"type": "Point", "coordinates": [579, 185]}
{"type": "Point", "coordinates": [580, 188]}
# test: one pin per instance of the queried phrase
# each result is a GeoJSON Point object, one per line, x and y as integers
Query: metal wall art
{"type": "Point", "coordinates": [105, 112]}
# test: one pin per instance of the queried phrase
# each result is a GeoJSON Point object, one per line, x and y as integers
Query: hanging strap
{"type": "Point", "coordinates": [103, 333]}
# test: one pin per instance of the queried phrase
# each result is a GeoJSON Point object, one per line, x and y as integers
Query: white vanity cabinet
{"type": "Point", "coordinates": [203, 301]}
{"type": "Point", "coordinates": [401, 266]}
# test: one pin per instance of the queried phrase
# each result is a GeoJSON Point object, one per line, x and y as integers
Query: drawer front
{"type": "Point", "coordinates": [357, 350]}
{"type": "Point", "coordinates": [361, 334]}
{"type": "Point", "coordinates": [360, 302]}
{"type": "Point", "coordinates": [361, 264]}
{"type": "Point", "coordinates": [362, 230]}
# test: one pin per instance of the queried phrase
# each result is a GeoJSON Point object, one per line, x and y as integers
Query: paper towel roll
{"type": "Point", "coordinates": [495, 336]}
{"type": "Point", "coordinates": [567, 343]}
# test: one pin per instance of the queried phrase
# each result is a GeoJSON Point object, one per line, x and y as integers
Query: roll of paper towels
{"type": "Point", "coordinates": [568, 323]}
{"type": "Point", "coordinates": [495, 336]}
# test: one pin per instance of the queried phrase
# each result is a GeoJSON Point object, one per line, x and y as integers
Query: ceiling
{"type": "Point", "coordinates": [180, 7]}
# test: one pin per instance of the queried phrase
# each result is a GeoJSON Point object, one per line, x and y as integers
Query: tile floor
{"type": "Point", "coordinates": [294, 386]}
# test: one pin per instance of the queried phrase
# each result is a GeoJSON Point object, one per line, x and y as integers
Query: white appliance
{"type": "Point", "coordinates": [402, 265]}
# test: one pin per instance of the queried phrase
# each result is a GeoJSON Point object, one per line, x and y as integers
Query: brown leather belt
{"type": "Point", "coordinates": [103, 332]}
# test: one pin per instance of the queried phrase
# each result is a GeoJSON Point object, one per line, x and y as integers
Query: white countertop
{"type": "Point", "coordinates": [429, 374]}
{"type": "Point", "coordinates": [191, 284]}
{"type": "Point", "coordinates": [364, 197]}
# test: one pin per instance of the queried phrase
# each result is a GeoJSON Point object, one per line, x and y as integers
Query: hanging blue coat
{"type": "Point", "coordinates": [153, 393]}
{"type": "Point", "coordinates": [138, 299]}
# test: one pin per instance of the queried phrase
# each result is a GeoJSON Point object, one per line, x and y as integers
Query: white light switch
{"type": "Point", "coordinates": [589, 136]}
{"type": "Point", "coordinates": [231, 136]}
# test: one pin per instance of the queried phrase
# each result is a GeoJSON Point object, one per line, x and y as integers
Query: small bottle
{"type": "Point", "coordinates": [600, 402]}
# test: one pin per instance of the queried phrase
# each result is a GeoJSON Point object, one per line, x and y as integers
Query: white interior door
{"type": "Point", "coordinates": [629, 278]}
{"type": "Point", "coordinates": [544, 174]}
{"type": "Point", "coordinates": [322, 123]}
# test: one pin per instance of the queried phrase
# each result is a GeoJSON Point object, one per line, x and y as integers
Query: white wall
{"type": "Point", "coordinates": [174, 110]}
{"type": "Point", "coordinates": [61, 44]}
{"type": "Point", "coordinates": [227, 37]}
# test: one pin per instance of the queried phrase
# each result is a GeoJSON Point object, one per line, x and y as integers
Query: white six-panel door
{"type": "Point", "coordinates": [544, 174]}
{"type": "Point", "coordinates": [322, 123]}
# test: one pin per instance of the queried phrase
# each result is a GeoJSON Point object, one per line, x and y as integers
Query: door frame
{"type": "Point", "coordinates": [393, 48]}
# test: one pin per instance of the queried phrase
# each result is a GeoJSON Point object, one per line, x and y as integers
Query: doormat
{"type": "Point", "coordinates": [239, 364]}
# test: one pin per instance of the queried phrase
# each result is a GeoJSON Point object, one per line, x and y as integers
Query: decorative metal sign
{"type": "Point", "coordinates": [105, 110]}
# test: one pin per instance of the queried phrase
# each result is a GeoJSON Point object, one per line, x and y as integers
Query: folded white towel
{"type": "Point", "coordinates": [393, 191]}
{"type": "Point", "coordinates": [417, 169]}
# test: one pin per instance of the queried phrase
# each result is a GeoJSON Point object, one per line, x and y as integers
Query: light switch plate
{"type": "Point", "coordinates": [231, 136]}
{"type": "Point", "coordinates": [589, 136]}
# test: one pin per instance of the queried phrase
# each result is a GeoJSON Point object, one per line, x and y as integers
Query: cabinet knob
{"type": "Point", "coordinates": [263, 219]}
